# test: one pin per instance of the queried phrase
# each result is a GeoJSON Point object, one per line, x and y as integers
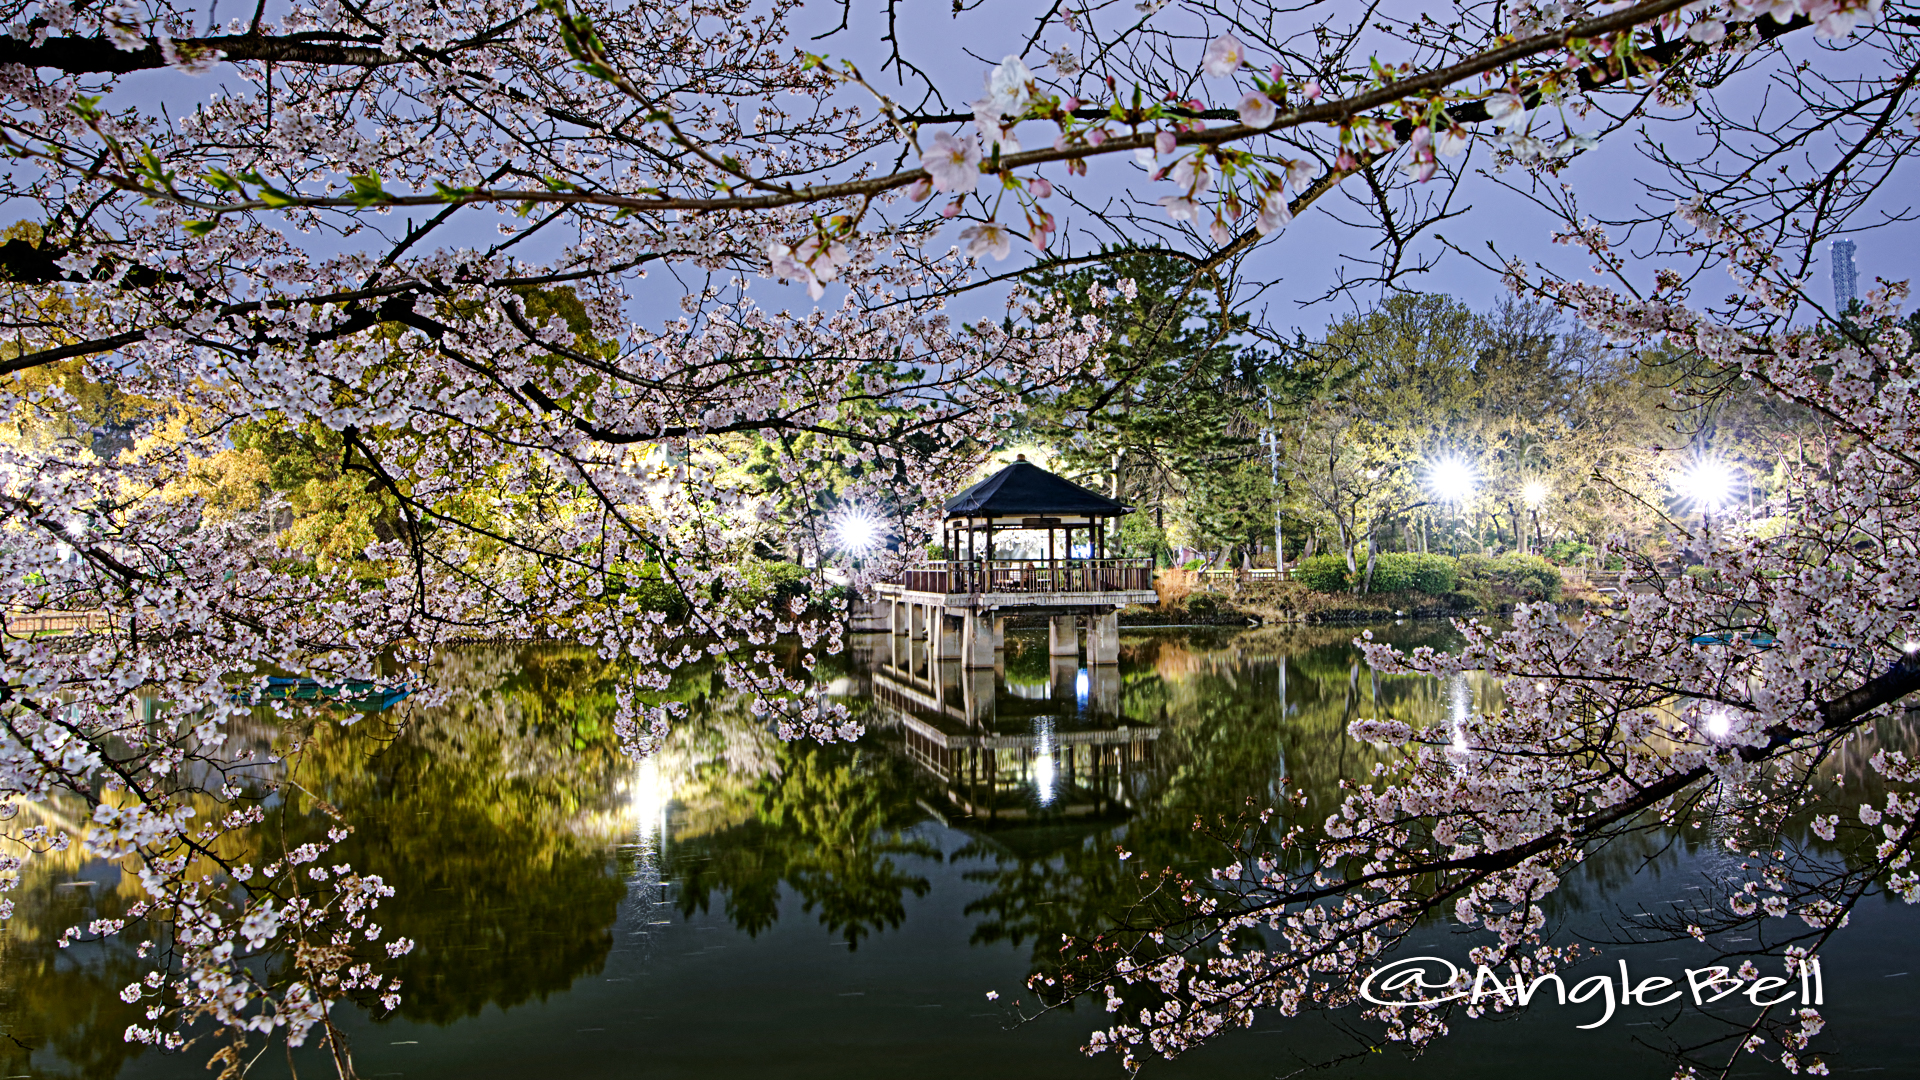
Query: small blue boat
{"type": "Point", "coordinates": [353, 693]}
{"type": "Point", "coordinates": [1759, 639]}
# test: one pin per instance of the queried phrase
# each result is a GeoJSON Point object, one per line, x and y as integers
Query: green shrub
{"type": "Point", "coordinates": [655, 593]}
{"type": "Point", "coordinates": [1528, 577]}
{"type": "Point", "coordinates": [778, 582]}
{"type": "Point", "coordinates": [1203, 605]}
{"type": "Point", "coordinates": [1322, 573]}
{"type": "Point", "coordinates": [1474, 567]}
{"type": "Point", "coordinates": [1531, 576]}
{"type": "Point", "coordinates": [1411, 572]}
{"type": "Point", "coordinates": [1567, 550]}
{"type": "Point", "coordinates": [1194, 564]}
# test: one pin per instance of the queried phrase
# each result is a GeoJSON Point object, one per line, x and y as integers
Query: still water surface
{"type": "Point", "coordinates": [739, 907]}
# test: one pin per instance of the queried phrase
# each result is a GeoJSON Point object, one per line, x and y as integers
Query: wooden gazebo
{"type": "Point", "coordinates": [1025, 496]}
{"type": "Point", "coordinates": [976, 583]}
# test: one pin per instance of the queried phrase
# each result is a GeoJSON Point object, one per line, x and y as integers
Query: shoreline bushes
{"type": "Point", "coordinates": [1528, 577]}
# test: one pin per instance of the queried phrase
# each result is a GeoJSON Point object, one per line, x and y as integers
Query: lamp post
{"type": "Point", "coordinates": [1452, 480]}
{"type": "Point", "coordinates": [1708, 485]}
{"type": "Point", "coordinates": [1533, 493]}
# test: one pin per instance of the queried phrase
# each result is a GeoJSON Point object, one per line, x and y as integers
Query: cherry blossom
{"type": "Point", "coordinates": [1275, 214]}
{"type": "Point", "coordinates": [1225, 55]}
{"type": "Point", "coordinates": [1257, 110]}
{"type": "Point", "coordinates": [952, 164]}
{"type": "Point", "coordinates": [988, 238]}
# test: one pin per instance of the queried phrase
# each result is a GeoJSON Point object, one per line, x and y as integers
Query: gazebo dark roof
{"type": "Point", "coordinates": [1024, 489]}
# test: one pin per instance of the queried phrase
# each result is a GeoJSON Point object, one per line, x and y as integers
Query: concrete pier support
{"type": "Point", "coordinates": [917, 621]}
{"type": "Point", "coordinates": [1063, 679]}
{"type": "Point", "coordinates": [1103, 638]}
{"type": "Point", "coordinates": [1063, 635]}
{"type": "Point", "coordinates": [999, 633]}
{"type": "Point", "coordinates": [976, 639]}
{"type": "Point", "coordinates": [1103, 697]}
{"type": "Point", "coordinates": [943, 634]}
{"type": "Point", "coordinates": [979, 689]}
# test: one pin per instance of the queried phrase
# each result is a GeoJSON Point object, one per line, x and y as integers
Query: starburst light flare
{"type": "Point", "coordinates": [1452, 480]}
{"type": "Point", "coordinates": [858, 530]}
{"type": "Point", "coordinates": [1707, 484]}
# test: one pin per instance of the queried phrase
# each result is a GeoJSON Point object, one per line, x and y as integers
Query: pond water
{"type": "Point", "coordinates": [739, 907]}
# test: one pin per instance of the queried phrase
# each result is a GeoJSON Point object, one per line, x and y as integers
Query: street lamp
{"type": "Point", "coordinates": [858, 530]}
{"type": "Point", "coordinates": [1452, 480]}
{"type": "Point", "coordinates": [1707, 484]}
{"type": "Point", "coordinates": [1533, 494]}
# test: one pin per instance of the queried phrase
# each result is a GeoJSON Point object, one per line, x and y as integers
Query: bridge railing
{"type": "Point", "coordinates": [53, 622]}
{"type": "Point", "coordinates": [1031, 576]}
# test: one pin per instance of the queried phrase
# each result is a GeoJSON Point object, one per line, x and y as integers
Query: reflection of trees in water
{"type": "Point", "coordinates": [64, 1000]}
{"type": "Point", "coordinates": [830, 823]}
{"type": "Point", "coordinates": [67, 1001]}
{"type": "Point", "coordinates": [498, 817]}
{"type": "Point", "coordinates": [492, 817]}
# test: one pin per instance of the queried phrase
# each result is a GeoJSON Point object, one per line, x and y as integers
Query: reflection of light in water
{"type": "Point", "coordinates": [648, 795]}
{"type": "Point", "coordinates": [1718, 724]}
{"type": "Point", "coordinates": [1461, 707]}
{"type": "Point", "coordinates": [1080, 686]}
{"type": "Point", "coordinates": [646, 910]}
{"type": "Point", "coordinates": [1044, 770]}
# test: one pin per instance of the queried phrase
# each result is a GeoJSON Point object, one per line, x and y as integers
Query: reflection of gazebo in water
{"type": "Point", "coordinates": [956, 604]}
{"type": "Point", "coordinates": [1034, 739]}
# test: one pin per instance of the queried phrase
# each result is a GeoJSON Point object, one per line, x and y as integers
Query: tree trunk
{"type": "Point", "coordinates": [1366, 582]}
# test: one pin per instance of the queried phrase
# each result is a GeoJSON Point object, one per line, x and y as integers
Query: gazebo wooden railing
{"type": "Point", "coordinates": [1031, 576]}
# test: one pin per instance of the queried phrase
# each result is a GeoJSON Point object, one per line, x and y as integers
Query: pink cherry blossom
{"type": "Point", "coordinates": [1275, 214]}
{"type": "Point", "coordinates": [1225, 55]}
{"type": "Point", "coordinates": [954, 164]}
{"type": "Point", "coordinates": [988, 238]}
{"type": "Point", "coordinates": [1257, 110]}
{"type": "Point", "coordinates": [1192, 175]}
{"type": "Point", "coordinates": [1506, 110]}
{"type": "Point", "coordinates": [1180, 207]}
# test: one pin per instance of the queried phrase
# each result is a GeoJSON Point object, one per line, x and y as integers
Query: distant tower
{"type": "Point", "coordinates": [1845, 280]}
